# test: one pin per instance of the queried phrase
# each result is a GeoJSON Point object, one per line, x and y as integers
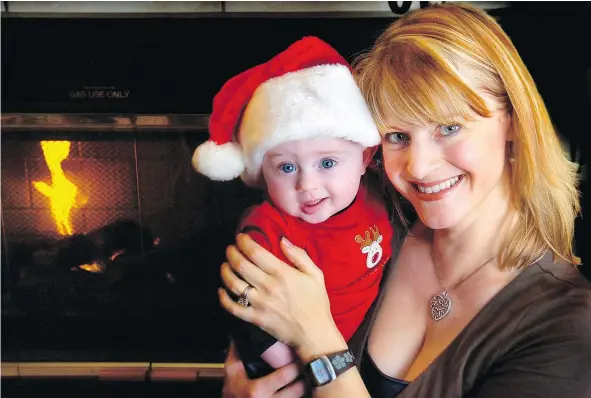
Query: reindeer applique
{"type": "Point", "coordinates": [371, 246]}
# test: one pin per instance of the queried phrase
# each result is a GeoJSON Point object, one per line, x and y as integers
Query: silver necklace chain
{"type": "Point", "coordinates": [441, 304]}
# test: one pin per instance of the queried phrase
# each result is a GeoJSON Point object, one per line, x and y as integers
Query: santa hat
{"type": "Point", "coordinates": [306, 91]}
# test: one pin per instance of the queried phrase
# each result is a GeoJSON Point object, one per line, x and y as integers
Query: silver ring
{"type": "Point", "coordinates": [243, 299]}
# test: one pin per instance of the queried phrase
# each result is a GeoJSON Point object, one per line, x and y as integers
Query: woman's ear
{"type": "Point", "coordinates": [368, 154]}
{"type": "Point", "coordinates": [507, 122]}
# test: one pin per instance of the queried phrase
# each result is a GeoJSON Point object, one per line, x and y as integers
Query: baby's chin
{"type": "Point", "coordinates": [318, 218]}
{"type": "Point", "coordinates": [314, 220]}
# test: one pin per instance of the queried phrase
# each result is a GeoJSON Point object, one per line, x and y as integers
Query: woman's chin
{"type": "Point", "coordinates": [439, 221]}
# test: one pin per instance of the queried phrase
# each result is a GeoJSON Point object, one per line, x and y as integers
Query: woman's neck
{"type": "Point", "coordinates": [456, 251]}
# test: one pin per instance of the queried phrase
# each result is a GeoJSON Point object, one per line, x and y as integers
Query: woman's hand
{"type": "Point", "coordinates": [290, 303]}
{"type": "Point", "coordinates": [238, 385]}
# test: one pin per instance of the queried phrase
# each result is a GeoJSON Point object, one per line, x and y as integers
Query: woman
{"type": "Point", "coordinates": [484, 299]}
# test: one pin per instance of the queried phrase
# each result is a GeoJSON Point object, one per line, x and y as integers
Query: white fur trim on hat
{"type": "Point", "coordinates": [321, 101]}
{"type": "Point", "coordinates": [219, 162]}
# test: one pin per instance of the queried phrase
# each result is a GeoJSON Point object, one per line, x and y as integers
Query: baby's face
{"type": "Point", "coordinates": [314, 179]}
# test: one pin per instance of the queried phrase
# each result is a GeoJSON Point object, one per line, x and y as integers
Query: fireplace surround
{"type": "Point", "coordinates": [111, 243]}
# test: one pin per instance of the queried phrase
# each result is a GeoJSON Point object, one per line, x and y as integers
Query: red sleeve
{"type": "Point", "coordinates": [265, 225]}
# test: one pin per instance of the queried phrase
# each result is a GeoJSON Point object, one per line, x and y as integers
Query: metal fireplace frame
{"type": "Point", "coordinates": [108, 122]}
{"type": "Point", "coordinates": [103, 121]}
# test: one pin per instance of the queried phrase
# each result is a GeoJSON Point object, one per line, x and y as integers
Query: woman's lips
{"type": "Point", "coordinates": [442, 193]}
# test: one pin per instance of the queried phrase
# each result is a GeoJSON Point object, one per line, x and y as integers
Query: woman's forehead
{"type": "Point", "coordinates": [397, 120]}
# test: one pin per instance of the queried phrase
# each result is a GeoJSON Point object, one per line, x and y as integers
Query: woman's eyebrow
{"type": "Point", "coordinates": [389, 129]}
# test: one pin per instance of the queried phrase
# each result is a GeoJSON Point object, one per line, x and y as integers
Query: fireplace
{"type": "Point", "coordinates": [106, 228]}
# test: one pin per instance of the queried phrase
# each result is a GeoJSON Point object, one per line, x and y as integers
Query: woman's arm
{"type": "Point", "coordinates": [290, 303]}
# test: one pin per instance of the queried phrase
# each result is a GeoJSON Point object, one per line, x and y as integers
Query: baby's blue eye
{"type": "Point", "coordinates": [327, 163]}
{"type": "Point", "coordinates": [287, 168]}
{"type": "Point", "coordinates": [449, 130]}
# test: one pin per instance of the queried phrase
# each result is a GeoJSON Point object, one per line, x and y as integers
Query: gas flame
{"type": "Point", "coordinates": [93, 267]}
{"type": "Point", "coordinates": [62, 193]}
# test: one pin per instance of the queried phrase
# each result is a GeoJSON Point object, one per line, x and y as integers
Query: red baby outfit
{"type": "Point", "coordinates": [305, 92]}
{"type": "Point", "coordinates": [351, 248]}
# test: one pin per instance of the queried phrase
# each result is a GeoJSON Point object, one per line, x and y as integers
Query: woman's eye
{"type": "Point", "coordinates": [328, 163]}
{"type": "Point", "coordinates": [397, 138]}
{"type": "Point", "coordinates": [449, 130]}
{"type": "Point", "coordinates": [287, 168]}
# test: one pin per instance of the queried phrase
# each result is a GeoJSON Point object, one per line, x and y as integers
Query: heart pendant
{"type": "Point", "coordinates": [440, 306]}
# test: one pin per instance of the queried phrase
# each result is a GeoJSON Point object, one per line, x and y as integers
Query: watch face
{"type": "Point", "coordinates": [322, 371]}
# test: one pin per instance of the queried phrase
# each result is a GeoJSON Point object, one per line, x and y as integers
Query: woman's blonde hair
{"type": "Point", "coordinates": [411, 75]}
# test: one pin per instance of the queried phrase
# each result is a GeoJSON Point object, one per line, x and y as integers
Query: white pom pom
{"type": "Point", "coordinates": [219, 162]}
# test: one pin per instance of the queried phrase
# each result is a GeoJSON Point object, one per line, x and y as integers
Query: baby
{"type": "Point", "coordinates": [298, 127]}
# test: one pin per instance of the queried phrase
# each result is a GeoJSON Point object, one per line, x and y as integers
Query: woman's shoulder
{"type": "Point", "coordinates": [558, 300]}
{"type": "Point", "coordinates": [559, 272]}
{"type": "Point", "coordinates": [533, 337]}
{"type": "Point", "coordinates": [557, 285]}
{"type": "Point", "coordinates": [565, 285]}
{"type": "Point", "coordinates": [549, 334]}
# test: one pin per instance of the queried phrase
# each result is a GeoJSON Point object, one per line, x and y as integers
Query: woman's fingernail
{"type": "Point", "coordinates": [286, 242]}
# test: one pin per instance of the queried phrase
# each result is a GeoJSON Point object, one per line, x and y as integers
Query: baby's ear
{"type": "Point", "coordinates": [368, 154]}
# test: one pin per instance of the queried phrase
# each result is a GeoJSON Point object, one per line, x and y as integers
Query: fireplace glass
{"type": "Point", "coordinates": [111, 242]}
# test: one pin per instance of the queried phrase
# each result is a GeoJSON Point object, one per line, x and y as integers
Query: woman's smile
{"type": "Point", "coordinates": [437, 190]}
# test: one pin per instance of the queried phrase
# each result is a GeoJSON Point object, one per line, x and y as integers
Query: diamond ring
{"type": "Point", "coordinates": [243, 299]}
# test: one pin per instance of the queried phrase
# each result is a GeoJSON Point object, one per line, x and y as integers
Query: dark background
{"type": "Point", "coordinates": [176, 65]}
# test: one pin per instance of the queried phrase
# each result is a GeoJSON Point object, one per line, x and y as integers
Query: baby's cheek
{"type": "Point", "coordinates": [279, 192]}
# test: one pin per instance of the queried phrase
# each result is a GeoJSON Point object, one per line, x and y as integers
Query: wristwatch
{"type": "Point", "coordinates": [326, 368]}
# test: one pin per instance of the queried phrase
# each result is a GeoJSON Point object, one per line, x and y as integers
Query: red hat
{"type": "Point", "coordinates": [306, 91]}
